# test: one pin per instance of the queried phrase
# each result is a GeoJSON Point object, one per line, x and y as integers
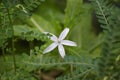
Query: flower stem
{"type": "Point", "coordinates": [36, 24]}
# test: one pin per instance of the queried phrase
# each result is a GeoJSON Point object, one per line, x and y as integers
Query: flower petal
{"type": "Point", "coordinates": [50, 48]}
{"type": "Point", "coordinates": [68, 43]}
{"type": "Point", "coordinates": [53, 38]}
{"type": "Point", "coordinates": [61, 50]}
{"type": "Point", "coordinates": [63, 33]}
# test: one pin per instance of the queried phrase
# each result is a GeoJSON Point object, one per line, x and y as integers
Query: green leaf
{"type": "Point", "coordinates": [41, 24]}
{"type": "Point", "coordinates": [73, 12]}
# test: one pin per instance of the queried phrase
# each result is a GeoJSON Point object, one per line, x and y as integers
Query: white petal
{"type": "Point", "coordinates": [63, 33]}
{"type": "Point", "coordinates": [61, 50]}
{"type": "Point", "coordinates": [50, 48]}
{"type": "Point", "coordinates": [68, 43]}
{"type": "Point", "coordinates": [54, 38]}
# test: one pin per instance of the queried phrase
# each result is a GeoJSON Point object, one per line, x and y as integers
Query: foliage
{"type": "Point", "coordinates": [107, 15]}
{"type": "Point", "coordinates": [22, 40]}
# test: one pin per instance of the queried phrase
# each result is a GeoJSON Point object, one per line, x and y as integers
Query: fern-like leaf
{"type": "Point", "coordinates": [6, 30]}
{"type": "Point", "coordinates": [107, 15]}
{"type": "Point", "coordinates": [31, 4]}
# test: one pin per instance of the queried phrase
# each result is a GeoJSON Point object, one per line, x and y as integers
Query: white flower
{"type": "Point", "coordinates": [60, 42]}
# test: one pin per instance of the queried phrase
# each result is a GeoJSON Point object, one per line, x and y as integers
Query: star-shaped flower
{"type": "Point", "coordinates": [60, 42]}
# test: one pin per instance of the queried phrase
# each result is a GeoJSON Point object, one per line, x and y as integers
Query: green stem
{"type": "Point", "coordinates": [32, 20]}
{"type": "Point", "coordinates": [13, 52]}
{"type": "Point", "coordinates": [36, 25]}
{"type": "Point", "coordinates": [3, 53]}
{"type": "Point", "coordinates": [41, 58]}
{"type": "Point", "coordinates": [71, 70]}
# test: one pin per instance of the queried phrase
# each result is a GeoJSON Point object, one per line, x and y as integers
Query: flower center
{"type": "Point", "coordinates": [59, 42]}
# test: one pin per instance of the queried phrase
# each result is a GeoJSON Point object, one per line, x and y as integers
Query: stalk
{"type": "Point", "coordinates": [3, 53]}
{"type": "Point", "coordinates": [71, 70]}
{"type": "Point", "coordinates": [13, 51]}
